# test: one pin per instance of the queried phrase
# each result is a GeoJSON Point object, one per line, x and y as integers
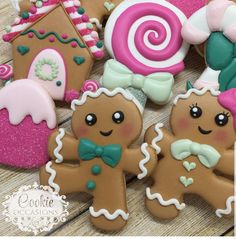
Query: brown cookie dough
{"type": "Point", "coordinates": [104, 125]}
{"type": "Point", "coordinates": [203, 127]}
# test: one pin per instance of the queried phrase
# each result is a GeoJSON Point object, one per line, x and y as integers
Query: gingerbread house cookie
{"type": "Point", "coordinates": [55, 44]}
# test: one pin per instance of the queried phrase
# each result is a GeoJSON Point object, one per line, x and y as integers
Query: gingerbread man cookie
{"type": "Point", "coordinates": [104, 125]}
{"type": "Point", "coordinates": [215, 25]}
{"type": "Point", "coordinates": [203, 125]}
{"type": "Point", "coordinates": [57, 56]}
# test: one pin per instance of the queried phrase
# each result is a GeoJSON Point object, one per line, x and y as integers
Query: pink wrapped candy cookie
{"type": "Point", "coordinates": [6, 72]}
{"type": "Point", "coordinates": [27, 118]}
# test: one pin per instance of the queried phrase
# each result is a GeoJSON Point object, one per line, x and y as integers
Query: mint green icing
{"type": "Point", "coordinates": [39, 71]}
{"type": "Point", "coordinates": [189, 166]}
{"type": "Point", "coordinates": [60, 39]}
{"type": "Point", "coordinates": [207, 155]}
{"type": "Point", "coordinates": [186, 181]}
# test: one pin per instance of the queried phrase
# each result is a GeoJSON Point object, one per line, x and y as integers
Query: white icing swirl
{"type": "Point", "coordinates": [51, 179]}
{"type": "Point", "coordinates": [144, 161]}
{"type": "Point", "coordinates": [96, 22]}
{"type": "Point", "coordinates": [128, 96]}
{"type": "Point", "coordinates": [59, 157]}
{"type": "Point", "coordinates": [197, 92]}
{"type": "Point", "coordinates": [173, 201]}
{"type": "Point", "coordinates": [108, 215]}
{"type": "Point", "coordinates": [228, 209]}
{"type": "Point", "coordinates": [158, 138]}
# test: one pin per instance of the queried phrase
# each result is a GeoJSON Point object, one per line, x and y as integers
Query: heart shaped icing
{"type": "Point", "coordinates": [186, 181]}
{"type": "Point", "coordinates": [189, 166]}
{"type": "Point", "coordinates": [109, 6]}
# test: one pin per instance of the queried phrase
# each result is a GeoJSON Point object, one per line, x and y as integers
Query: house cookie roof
{"type": "Point", "coordinates": [74, 10]}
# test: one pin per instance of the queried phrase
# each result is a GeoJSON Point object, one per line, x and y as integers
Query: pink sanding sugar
{"type": "Point", "coordinates": [189, 7]}
{"type": "Point", "coordinates": [23, 145]}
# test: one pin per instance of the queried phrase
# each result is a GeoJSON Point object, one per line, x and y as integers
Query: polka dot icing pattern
{"type": "Point", "coordinates": [150, 40]}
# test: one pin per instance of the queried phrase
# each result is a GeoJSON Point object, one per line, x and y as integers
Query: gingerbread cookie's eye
{"type": "Point", "coordinates": [195, 111]}
{"type": "Point", "coordinates": [118, 117]}
{"type": "Point", "coordinates": [91, 119]}
{"type": "Point", "coordinates": [222, 119]}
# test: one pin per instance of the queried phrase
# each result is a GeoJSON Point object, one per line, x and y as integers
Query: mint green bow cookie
{"type": "Point", "coordinates": [206, 154]}
{"type": "Point", "coordinates": [157, 86]}
{"type": "Point", "coordinates": [110, 154]}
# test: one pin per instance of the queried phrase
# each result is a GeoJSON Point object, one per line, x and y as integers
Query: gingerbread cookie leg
{"type": "Point", "coordinates": [164, 200]}
{"type": "Point", "coordinates": [109, 210]}
{"type": "Point", "coordinates": [60, 177]}
{"type": "Point", "coordinates": [219, 192]}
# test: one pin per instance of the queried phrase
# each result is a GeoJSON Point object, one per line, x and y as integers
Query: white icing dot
{"type": "Point", "coordinates": [195, 109]}
{"type": "Point", "coordinates": [221, 117]}
{"type": "Point", "coordinates": [117, 115]}
{"type": "Point", "coordinates": [89, 118]}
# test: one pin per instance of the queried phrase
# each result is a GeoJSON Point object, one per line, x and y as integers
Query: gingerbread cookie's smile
{"type": "Point", "coordinates": [202, 131]}
{"type": "Point", "coordinates": [106, 134]}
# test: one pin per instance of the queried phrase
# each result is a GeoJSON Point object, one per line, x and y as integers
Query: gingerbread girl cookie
{"type": "Point", "coordinates": [203, 124]}
{"type": "Point", "coordinates": [104, 125]}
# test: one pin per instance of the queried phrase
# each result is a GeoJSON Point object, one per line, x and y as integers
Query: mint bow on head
{"type": "Point", "coordinates": [110, 154]}
{"type": "Point", "coordinates": [157, 86]}
{"type": "Point", "coordinates": [206, 154]}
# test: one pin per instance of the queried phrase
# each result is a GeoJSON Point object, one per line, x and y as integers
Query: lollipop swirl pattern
{"type": "Point", "coordinates": [145, 35]}
{"type": "Point", "coordinates": [6, 72]}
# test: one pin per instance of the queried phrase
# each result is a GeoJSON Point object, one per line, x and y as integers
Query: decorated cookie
{"type": "Point", "coordinates": [200, 142]}
{"type": "Point", "coordinates": [214, 24]}
{"type": "Point", "coordinates": [57, 56]}
{"type": "Point", "coordinates": [104, 125]}
{"type": "Point", "coordinates": [144, 38]}
{"type": "Point", "coordinates": [188, 7]}
{"type": "Point", "coordinates": [6, 72]}
{"type": "Point", "coordinates": [151, 40]}
{"type": "Point", "coordinates": [27, 118]}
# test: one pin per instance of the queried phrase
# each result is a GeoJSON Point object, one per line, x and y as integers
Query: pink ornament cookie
{"type": "Point", "coordinates": [145, 36]}
{"type": "Point", "coordinates": [27, 118]}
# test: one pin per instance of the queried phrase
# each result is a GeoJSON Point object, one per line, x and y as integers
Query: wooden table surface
{"type": "Point", "coordinates": [198, 219]}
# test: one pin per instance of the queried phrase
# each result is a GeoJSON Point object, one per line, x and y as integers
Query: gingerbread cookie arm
{"type": "Point", "coordinates": [159, 137]}
{"type": "Point", "coordinates": [226, 164]}
{"type": "Point", "coordinates": [140, 162]}
{"type": "Point", "coordinates": [62, 146]}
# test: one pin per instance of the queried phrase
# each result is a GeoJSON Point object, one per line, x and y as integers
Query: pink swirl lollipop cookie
{"type": "Point", "coordinates": [90, 85]}
{"type": "Point", "coordinates": [6, 72]}
{"type": "Point", "coordinates": [145, 36]}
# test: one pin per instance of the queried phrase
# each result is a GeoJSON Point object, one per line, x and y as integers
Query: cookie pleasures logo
{"type": "Point", "coordinates": [35, 208]}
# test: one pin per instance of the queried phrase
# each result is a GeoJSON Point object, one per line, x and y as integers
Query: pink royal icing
{"type": "Point", "coordinates": [24, 98]}
{"type": "Point", "coordinates": [151, 30]}
{"type": "Point", "coordinates": [227, 100]}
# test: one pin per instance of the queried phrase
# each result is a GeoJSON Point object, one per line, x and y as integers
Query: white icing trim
{"type": "Point", "coordinates": [96, 22]}
{"type": "Point", "coordinates": [128, 96]}
{"type": "Point", "coordinates": [228, 209]}
{"type": "Point", "coordinates": [144, 161]}
{"type": "Point", "coordinates": [158, 138]}
{"type": "Point", "coordinates": [52, 177]}
{"type": "Point", "coordinates": [108, 215]}
{"type": "Point", "coordinates": [59, 146]}
{"type": "Point", "coordinates": [197, 92]}
{"type": "Point", "coordinates": [164, 203]}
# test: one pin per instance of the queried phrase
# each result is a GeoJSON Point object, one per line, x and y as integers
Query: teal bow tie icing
{"type": "Point", "coordinates": [110, 154]}
{"type": "Point", "coordinates": [206, 154]}
{"type": "Point", "coordinates": [157, 86]}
